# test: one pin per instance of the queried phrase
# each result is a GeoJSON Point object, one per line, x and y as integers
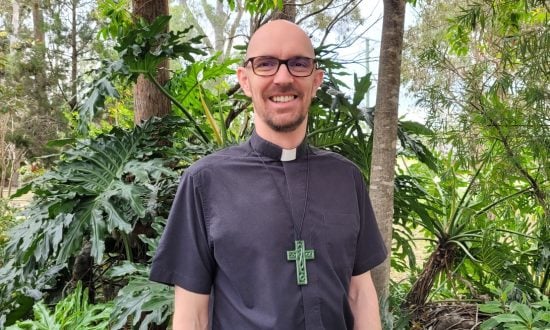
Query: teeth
{"type": "Point", "coordinates": [282, 98]}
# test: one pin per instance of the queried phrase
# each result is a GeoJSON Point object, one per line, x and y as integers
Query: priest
{"type": "Point", "coordinates": [273, 233]}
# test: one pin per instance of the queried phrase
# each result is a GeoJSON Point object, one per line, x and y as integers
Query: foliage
{"type": "Point", "coordinates": [472, 250]}
{"type": "Point", "coordinates": [140, 296]}
{"type": "Point", "coordinates": [342, 125]}
{"type": "Point", "coordinates": [481, 72]}
{"type": "Point", "coordinates": [72, 312]}
{"type": "Point", "coordinates": [198, 88]}
{"type": "Point", "coordinates": [141, 47]}
{"type": "Point", "coordinates": [113, 190]}
{"type": "Point", "coordinates": [100, 189]}
{"type": "Point", "coordinates": [255, 6]}
{"type": "Point", "coordinates": [38, 47]}
{"type": "Point", "coordinates": [514, 314]}
{"type": "Point", "coordinates": [7, 219]}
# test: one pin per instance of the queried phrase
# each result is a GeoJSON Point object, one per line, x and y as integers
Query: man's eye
{"type": "Point", "coordinates": [300, 63]}
{"type": "Point", "coordinates": [265, 64]}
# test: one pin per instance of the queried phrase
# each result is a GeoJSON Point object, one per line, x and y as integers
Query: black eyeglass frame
{"type": "Point", "coordinates": [285, 62]}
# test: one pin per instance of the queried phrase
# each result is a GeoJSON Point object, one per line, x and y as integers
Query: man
{"type": "Point", "coordinates": [275, 234]}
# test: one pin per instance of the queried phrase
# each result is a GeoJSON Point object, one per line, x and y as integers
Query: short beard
{"type": "Point", "coordinates": [289, 127]}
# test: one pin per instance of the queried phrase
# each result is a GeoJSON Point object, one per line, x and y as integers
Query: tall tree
{"type": "Point", "coordinates": [149, 101]}
{"type": "Point", "coordinates": [15, 22]}
{"type": "Point", "coordinates": [325, 20]}
{"type": "Point", "coordinates": [74, 55]}
{"type": "Point", "coordinates": [41, 85]}
{"type": "Point", "coordinates": [385, 132]}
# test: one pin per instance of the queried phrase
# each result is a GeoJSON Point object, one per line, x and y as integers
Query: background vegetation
{"type": "Point", "coordinates": [472, 183]}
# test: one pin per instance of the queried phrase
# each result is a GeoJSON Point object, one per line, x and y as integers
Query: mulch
{"type": "Point", "coordinates": [448, 315]}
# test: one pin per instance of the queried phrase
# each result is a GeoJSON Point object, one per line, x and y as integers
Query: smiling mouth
{"type": "Point", "coordinates": [282, 98]}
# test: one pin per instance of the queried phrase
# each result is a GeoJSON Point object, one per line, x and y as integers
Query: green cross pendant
{"type": "Point", "coordinates": [300, 255]}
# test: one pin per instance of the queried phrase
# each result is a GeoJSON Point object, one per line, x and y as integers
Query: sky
{"type": "Point", "coordinates": [372, 11]}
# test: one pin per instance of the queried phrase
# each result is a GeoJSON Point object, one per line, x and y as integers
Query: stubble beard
{"type": "Point", "coordinates": [286, 127]}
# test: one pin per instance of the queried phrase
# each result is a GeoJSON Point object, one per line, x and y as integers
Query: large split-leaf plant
{"type": "Point", "coordinates": [98, 192]}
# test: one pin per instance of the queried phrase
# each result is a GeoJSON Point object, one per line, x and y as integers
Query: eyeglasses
{"type": "Point", "coordinates": [297, 66]}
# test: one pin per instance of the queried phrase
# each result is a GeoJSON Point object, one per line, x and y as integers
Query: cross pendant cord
{"type": "Point", "coordinates": [299, 255]}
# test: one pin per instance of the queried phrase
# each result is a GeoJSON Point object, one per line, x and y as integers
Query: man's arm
{"type": "Point", "coordinates": [364, 302]}
{"type": "Point", "coordinates": [190, 310]}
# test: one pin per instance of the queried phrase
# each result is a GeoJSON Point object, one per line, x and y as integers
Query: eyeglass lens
{"type": "Point", "coordinates": [297, 66]}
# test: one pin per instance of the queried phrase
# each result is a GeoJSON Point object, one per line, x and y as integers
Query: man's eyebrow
{"type": "Point", "coordinates": [293, 56]}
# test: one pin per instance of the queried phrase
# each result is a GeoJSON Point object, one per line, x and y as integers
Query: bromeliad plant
{"type": "Point", "coordinates": [465, 240]}
{"type": "Point", "coordinates": [102, 205]}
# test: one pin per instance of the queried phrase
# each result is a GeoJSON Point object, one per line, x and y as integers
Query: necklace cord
{"type": "Point", "coordinates": [297, 231]}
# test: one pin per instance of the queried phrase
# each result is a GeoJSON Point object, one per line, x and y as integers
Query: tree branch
{"type": "Point", "coordinates": [233, 28]}
{"type": "Point", "coordinates": [196, 25]}
{"type": "Point", "coordinates": [315, 12]}
{"type": "Point", "coordinates": [337, 18]}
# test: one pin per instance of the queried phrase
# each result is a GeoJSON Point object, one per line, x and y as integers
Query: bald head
{"type": "Point", "coordinates": [277, 37]}
{"type": "Point", "coordinates": [281, 100]}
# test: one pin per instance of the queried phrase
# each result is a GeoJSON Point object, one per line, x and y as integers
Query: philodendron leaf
{"type": "Point", "coordinates": [144, 301]}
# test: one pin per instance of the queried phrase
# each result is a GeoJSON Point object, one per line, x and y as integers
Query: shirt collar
{"type": "Point", "coordinates": [268, 149]}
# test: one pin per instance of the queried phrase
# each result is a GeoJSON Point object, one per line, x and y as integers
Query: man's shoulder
{"type": "Point", "coordinates": [336, 158]}
{"type": "Point", "coordinates": [218, 159]}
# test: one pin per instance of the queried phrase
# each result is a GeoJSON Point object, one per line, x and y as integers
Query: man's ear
{"type": "Point", "coordinates": [317, 79]}
{"type": "Point", "coordinates": [243, 81]}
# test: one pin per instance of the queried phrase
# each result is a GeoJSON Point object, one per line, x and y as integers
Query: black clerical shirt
{"type": "Point", "coordinates": [236, 215]}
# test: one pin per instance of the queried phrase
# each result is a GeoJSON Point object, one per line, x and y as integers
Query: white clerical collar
{"type": "Point", "coordinates": [288, 155]}
{"type": "Point", "coordinates": [273, 151]}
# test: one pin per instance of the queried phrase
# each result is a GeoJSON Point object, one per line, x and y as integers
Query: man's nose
{"type": "Point", "coordinates": [283, 75]}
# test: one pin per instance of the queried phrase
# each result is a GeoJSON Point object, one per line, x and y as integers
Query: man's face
{"type": "Point", "coordinates": [281, 101]}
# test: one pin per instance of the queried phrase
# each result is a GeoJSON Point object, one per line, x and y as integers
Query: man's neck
{"type": "Point", "coordinates": [285, 140]}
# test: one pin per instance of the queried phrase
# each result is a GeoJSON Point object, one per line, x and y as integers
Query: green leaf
{"type": "Point", "coordinates": [60, 142]}
{"type": "Point", "coordinates": [88, 196]}
{"type": "Point", "coordinates": [509, 318]}
{"type": "Point", "coordinates": [523, 311]}
{"type": "Point", "coordinates": [543, 315]}
{"type": "Point", "coordinates": [491, 307]}
{"type": "Point", "coordinates": [72, 312]}
{"type": "Point", "coordinates": [126, 268]}
{"type": "Point", "coordinates": [98, 234]}
{"type": "Point", "coordinates": [142, 297]}
{"type": "Point", "coordinates": [361, 87]}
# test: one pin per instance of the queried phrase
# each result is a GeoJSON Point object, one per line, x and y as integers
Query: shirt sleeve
{"type": "Point", "coordinates": [371, 250]}
{"type": "Point", "coordinates": [184, 257]}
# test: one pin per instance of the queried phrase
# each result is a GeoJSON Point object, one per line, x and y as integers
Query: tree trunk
{"type": "Point", "coordinates": [219, 22]}
{"type": "Point", "coordinates": [15, 17]}
{"type": "Point", "coordinates": [287, 13]}
{"type": "Point", "coordinates": [148, 100]}
{"type": "Point", "coordinates": [385, 133]}
{"type": "Point", "coordinates": [443, 257]}
{"type": "Point", "coordinates": [74, 55]}
{"type": "Point", "coordinates": [40, 88]}
{"type": "Point", "coordinates": [38, 22]}
{"type": "Point", "coordinates": [233, 29]}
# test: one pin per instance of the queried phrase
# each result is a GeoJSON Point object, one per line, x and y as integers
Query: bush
{"type": "Point", "coordinates": [7, 220]}
{"type": "Point", "coordinates": [516, 315]}
{"type": "Point", "coordinates": [73, 312]}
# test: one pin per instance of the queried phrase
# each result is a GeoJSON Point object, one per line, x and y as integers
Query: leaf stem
{"type": "Point", "coordinates": [179, 105]}
{"type": "Point", "coordinates": [127, 247]}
